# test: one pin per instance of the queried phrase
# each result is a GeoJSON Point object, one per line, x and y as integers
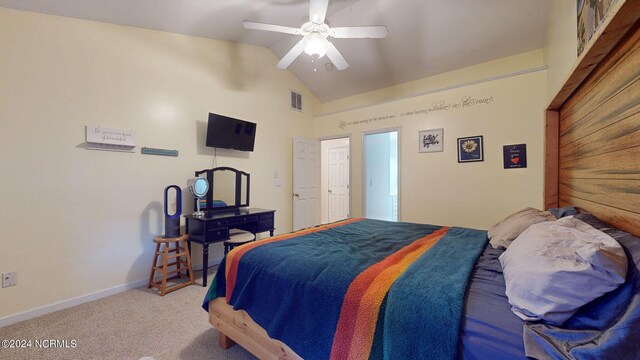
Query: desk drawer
{"type": "Point", "coordinates": [242, 220]}
{"type": "Point", "coordinates": [214, 234]}
{"type": "Point", "coordinates": [265, 226]}
{"type": "Point", "coordinates": [215, 224]}
{"type": "Point", "coordinates": [266, 217]}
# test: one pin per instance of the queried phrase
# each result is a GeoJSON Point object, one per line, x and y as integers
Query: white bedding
{"type": "Point", "coordinates": [555, 267]}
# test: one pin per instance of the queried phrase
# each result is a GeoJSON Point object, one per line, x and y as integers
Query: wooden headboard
{"type": "Point", "coordinates": [593, 127]}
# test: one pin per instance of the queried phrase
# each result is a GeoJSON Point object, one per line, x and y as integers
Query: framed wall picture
{"type": "Point", "coordinates": [515, 156]}
{"type": "Point", "coordinates": [431, 140]}
{"type": "Point", "coordinates": [591, 15]}
{"type": "Point", "coordinates": [470, 149]}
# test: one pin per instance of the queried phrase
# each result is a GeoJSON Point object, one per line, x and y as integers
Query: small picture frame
{"type": "Point", "coordinates": [431, 140]}
{"type": "Point", "coordinates": [515, 156]}
{"type": "Point", "coordinates": [470, 149]}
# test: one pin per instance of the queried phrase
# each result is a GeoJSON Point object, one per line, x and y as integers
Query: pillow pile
{"type": "Point", "coordinates": [553, 268]}
{"type": "Point", "coordinates": [563, 211]}
{"type": "Point", "coordinates": [503, 233]}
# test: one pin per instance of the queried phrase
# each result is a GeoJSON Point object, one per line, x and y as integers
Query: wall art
{"type": "Point", "coordinates": [431, 140]}
{"type": "Point", "coordinates": [515, 156]}
{"type": "Point", "coordinates": [470, 149]}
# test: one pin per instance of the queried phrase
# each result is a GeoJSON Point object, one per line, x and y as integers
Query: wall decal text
{"type": "Point", "coordinates": [436, 106]}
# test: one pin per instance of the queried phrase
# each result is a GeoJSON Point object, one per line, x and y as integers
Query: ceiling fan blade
{"type": "Point", "coordinates": [270, 27]}
{"type": "Point", "coordinates": [360, 32]}
{"type": "Point", "coordinates": [336, 58]}
{"type": "Point", "coordinates": [318, 11]}
{"type": "Point", "coordinates": [288, 58]}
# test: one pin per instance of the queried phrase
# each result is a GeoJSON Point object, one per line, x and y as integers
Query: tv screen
{"type": "Point", "coordinates": [229, 133]}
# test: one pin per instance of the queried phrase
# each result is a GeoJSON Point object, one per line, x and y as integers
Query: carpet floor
{"type": "Point", "coordinates": [134, 324]}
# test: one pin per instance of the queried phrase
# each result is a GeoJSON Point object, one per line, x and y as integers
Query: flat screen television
{"type": "Point", "coordinates": [229, 133]}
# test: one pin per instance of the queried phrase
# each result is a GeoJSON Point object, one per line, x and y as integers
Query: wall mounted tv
{"type": "Point", "coordinates": [229, 133]}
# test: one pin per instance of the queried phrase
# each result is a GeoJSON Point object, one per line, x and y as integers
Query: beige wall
{"type": "Point", "coordinates": [560, 44]}
{"type": "Point", "coordinates": [435, 188]}
{"type": "Point", "coordinates": [78, 221]}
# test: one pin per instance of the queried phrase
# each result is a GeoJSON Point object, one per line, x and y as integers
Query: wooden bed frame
{"type": "Point", "coordinates": [592, 157]}
{"type": "Point", "coordinates": [238, 327]}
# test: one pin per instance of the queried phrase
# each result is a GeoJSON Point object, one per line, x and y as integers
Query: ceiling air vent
{"type": "Point", "coordinates": [296, 101]}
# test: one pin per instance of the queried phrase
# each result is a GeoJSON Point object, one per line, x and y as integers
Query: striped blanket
{"type": "Point", "coordinates": [357, 289]}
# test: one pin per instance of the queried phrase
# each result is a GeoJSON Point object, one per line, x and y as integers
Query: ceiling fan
{"type": "Point", "coordinates": [315, 33]}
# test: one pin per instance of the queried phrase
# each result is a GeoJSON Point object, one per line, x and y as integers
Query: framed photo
{"type": "Point", "coordinates": [515, 156]}
{"type": "Point", "coordinates": [431, 140]}
{"type": "Point", "coordinates": [470, 149]}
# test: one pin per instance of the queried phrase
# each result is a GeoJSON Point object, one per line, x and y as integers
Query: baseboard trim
{"type": "Point", "coordinates": [65, 304]}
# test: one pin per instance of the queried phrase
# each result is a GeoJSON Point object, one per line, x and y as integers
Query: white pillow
{"type": "Point", "coordinates": [503, 233]}
{"type": "Point", "coordinates": [553, 268]}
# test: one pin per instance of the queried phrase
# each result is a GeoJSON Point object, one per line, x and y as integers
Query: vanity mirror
{"type": "Point", "coordinates": [228, 189]}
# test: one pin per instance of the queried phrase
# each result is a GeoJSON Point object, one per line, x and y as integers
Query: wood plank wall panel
{"type": "Point", "coordinates": [622, 219]}
{"type": "Point", "coordinates": [589, 117]}
{"type": "Point", "coordinates": [551, 155]}
{"type": "Point", "coordinates": [614, 165]}
{"type": "Point", "coordinates": [623, 135]}
{"type": "Point", "coordinates": [607, 80]}
{"type": "Point", "coordinates": [621, 194]}
{"type": "Point", "coordinates": [599, 140]}
{"type": "Point", "coordinates": [618, 107]}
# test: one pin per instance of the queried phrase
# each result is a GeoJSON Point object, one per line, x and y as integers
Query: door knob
{"type": "Point", "coordinates": [296, 195]}
{"type": "Point", "coordinates": [330, 192]}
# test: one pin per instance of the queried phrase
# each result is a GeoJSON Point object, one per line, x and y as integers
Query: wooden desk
{"type": "Point", "coordinates": [214, 227]}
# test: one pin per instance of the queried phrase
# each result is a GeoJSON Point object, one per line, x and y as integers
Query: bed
{"type": "Point", "coordinates": [376, 289]}
{"type": "Point", "coordinates": [600, 103]}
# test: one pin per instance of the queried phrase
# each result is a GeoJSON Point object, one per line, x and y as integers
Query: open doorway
{"type": "Point", "coordinates": [335, 177]}
{"type": "Point", "coordinates": [381, 169]}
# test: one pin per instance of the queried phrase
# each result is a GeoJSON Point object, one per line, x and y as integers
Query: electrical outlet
{"type": "Point", "coordinates": [9, 279]}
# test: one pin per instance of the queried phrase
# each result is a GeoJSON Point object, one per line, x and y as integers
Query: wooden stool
{"type": "Point", "coordinates": [181, 265]}
{"type": "Point", "coordinates": [237, 237]}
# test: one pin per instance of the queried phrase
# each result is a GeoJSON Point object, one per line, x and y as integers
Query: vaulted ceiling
{"type": "Point", "coordinates": [426, 37]}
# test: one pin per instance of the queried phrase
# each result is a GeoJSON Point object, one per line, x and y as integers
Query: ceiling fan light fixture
{"type": "Point", "coordinates": [316, 44]}
{"type": "Point", "coordinates": [314, 36]}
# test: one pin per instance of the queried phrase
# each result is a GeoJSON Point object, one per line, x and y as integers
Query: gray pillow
{"type": "Point", "coordinates": [554, 268]}
{"type": "Point", "coordinates": [563, 211]}
{"type": "Point", "coordinates": [503, 233]}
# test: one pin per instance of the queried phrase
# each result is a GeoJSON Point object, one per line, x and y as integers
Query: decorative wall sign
{"type": "Point", "coordinates": [591, 14]}
{"type": "Point", "coordinates": [154, 151]}
{"type": "Point", "coordinates": [100, 138]}
{"type": "Point", "coordinates": [470, 149]}
{"type": "Point", "coordinates": [515, 156]}
{"type": "Point", "coordinates": [431, 140]}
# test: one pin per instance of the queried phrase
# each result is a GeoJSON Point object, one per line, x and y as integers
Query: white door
{"type": "Point", "coordinates": [306, 189]}
{"type": "Point", "coordinates": [338, 189]}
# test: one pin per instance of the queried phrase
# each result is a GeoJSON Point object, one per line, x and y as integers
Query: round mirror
{"type": "Point", "coordinates": [198, 187]}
